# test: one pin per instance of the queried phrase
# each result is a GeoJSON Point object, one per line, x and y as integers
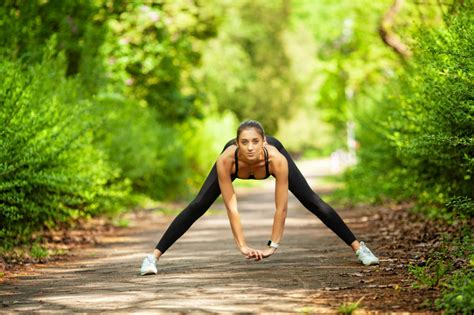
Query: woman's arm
{"type": "Point", "coordinates": [281, 200]}
{"type": "Point", "coordinates": [224, 166]}
{"type": "Point", "coordinates": [280, 171]}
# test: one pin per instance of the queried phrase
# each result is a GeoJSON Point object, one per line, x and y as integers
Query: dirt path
{"type": "Point", "coordinates": [203, 272]}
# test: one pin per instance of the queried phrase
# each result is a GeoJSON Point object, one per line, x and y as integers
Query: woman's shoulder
{"type": "Point", "coordinates": [272, 150]}
{"type": "Point", "coordinates": [274, 155]}
{"type": "Point", "coordinates": [277, 161]}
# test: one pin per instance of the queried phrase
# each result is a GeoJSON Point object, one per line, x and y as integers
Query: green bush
{"type": "Point", "coordinates": [49, 170]}
{"type": "Point", "coordinates": [162, 161]}
{"type": "Point", "coordinates": [434, 126]}
{"type": "Point", "coordinates": [149, 153]}
{"type": "Point", "coordinates": [420, 136]}
{"type": "Point", "coordinates": [379, 174]}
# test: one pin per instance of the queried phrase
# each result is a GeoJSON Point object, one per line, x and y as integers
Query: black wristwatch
{"type": "Point", "coordinates": [272, 244]}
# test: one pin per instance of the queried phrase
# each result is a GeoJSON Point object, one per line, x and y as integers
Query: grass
{"type": "Point", "coordinates": [349, 308]}
{"type": "Point", "coordinates": [59, 252]}
{"type": "Point", "coordinates": [305, 310]}
{"type": "Point", "coordinates": [37, 251]}
{"type": "Point", "coordinates": [429, 276]}
{"type": "Point", "coordinates": [121, 222]}
{"type": "Point", "coordinates": [449, 269]}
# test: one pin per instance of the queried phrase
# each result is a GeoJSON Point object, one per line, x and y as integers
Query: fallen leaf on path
{"type": "Point", "coordinates": [357, 274]}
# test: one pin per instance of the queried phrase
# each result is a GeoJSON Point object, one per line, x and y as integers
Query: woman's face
{"type": "Point", "coordinates": [250, 144]}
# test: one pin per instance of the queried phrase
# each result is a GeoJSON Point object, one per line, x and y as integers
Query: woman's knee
{"type": "Point", "coordinates": [318, 206]}
{"type": "Point", "coordinates": [198, 207]}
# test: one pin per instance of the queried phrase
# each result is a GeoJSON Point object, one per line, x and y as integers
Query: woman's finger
{"type": "Point", "coordinates": [257, 255]}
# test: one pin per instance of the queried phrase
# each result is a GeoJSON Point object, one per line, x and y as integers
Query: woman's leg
{"type": "Point", "coordinates": [298, 185]}
{"type": "Point", "coordinates": [209, 192]}
{"type": "Point", "coordinates": [206, 197]}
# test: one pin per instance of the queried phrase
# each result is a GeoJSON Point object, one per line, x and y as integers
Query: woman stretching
{"type": "Point", "coordinates": [252, 155]}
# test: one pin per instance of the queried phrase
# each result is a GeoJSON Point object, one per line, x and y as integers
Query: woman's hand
{"type": "Point", "coordinates": [267, 252]}
{"type": "Point", "coordinates": [251, 253]}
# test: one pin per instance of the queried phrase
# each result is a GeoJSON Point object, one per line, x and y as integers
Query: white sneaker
{"type": "Point", "coordinates": [365, 256]}
{"type": "Point", "coordinates": [148, 266]}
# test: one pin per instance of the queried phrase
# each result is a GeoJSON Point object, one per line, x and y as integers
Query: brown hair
{"type": "Point", "coordinates": [250, 124]}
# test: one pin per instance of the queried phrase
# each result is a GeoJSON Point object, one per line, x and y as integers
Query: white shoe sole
{"type": "Point", "coordinates": [370, 263]}
{"type": "Point", "coordinates": [148, 272]}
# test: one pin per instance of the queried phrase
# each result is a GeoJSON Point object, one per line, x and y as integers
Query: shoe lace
{"type": "Point", "coordinates": [150, 260]}
{"type": "Point", "coordinates": [366, 251]}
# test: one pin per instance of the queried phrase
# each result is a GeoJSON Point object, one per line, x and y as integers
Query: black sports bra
{"type": "Point", "coordinates": [267, 170]}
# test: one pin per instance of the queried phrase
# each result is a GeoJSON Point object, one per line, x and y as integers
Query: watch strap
{"type": "Point", "coordinates": [272, 244]}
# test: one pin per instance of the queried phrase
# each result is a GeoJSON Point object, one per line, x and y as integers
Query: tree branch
{"type": "Point", "coordinates": [388, 35]}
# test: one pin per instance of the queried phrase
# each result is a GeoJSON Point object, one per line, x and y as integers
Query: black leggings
{"type": "Point", "coordinates": [296, 183]}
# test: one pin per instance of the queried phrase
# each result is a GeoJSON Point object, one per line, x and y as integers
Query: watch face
{"type": "Point", "coordinates": [269, 242]}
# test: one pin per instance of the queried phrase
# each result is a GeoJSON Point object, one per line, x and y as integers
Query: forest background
{"type": "Point", "coordinates": [109, 105]}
